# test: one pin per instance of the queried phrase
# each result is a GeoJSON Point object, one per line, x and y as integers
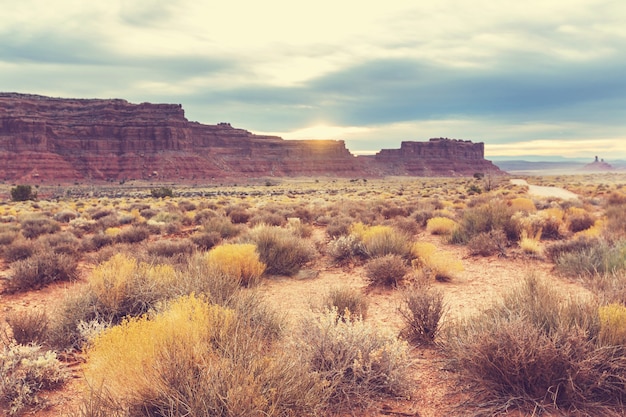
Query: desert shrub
{"type": "Point", "coordinates": [438, 263]}
{"type": "Point", "coordinates": [530, 244]}
{"type": "Point", "coordinates": [579, 220]}
{"type": "Point", "coordinates": [203, 215]}
{"type": "Point", "coordinates": [170, 248]}
{"type": "Point", "coordinates": [97, 241]}
{"type": "Point", "coordinates": [391, 212]}
{"type": "Point", "coordinates": [194, 358]}
{"type": "Point", "coordinates": [345, 248]}
{"type": "Point", "coordinates": [616, 219]}
{"type": "Point", "coordinates": [551, 228]}
{"type": "Point", "coordinates": [421, 311]}
{"type": "Point", "coordinates": [612, 324]}
{"type": "Point", "coordinates": [77, 310]}
{"type": "Point", "coordinates": [268, 218]}
{"type": "Point", "coordinates": [122, 287]}
{"type": "Point", "coordinates": [39, 270]}
{"type": "Point", "coordinates": [522, 204]}
{"type": "Point", "coordinates": [488, 243]}
{"type": "Point", "coordinates": [205, 240]}
{"type": "Point", "coordinates": [65, 216]}
{"type": "Point", "coordinates": [34, 226]}
{"type": "Point", "coordinates": [485, 218]}
{"type": "Point", "coordinates": [239, 215]}
{"type": "Point", "coordinates": [381, 240]}
{"type": "Point", "coordinates": [81, 225]}
{"type": "Point", "coordinates": [387, 270]}
{"type": "Point", "coordinates": [240, 261]}
{"type": "Point", "coordinates": [99, 213]}
{"type": "Point", "coordinates": [406, 224]}
{"type": "Point", "coordinates": [537, 351]}
{"type": "Point", "coordinates": [349, 303]}
{"type": "Point", "coordinates": [113, 220]}
{"type": "Point", "coordinates": [554, 250]}
{"type": "Point", "coordinates": [223, 226]}
{"type": "Point", "coordinates": [338, 226]}
{"type": "Point", "coordinates": [23, 193]}
{"type": "Point", "coordinates": [64, 242]}
{"type": "Point", "coordinates": [304, 214]}
{"type": "Point", "coordinates": [186, 205]}
{"type": "Point", "coordinates": [298, 228]}
{"type": "Point", "coordinates": [161, 192]}
{"type": "Point", "coordinates": [281, 251]}
{"type": "Point", "coordinates": [19, 249]}
{"type": "Point", "coordinates": [422, 216]}
{"type": "Point", "coordinates": [358, 362]}
{"type": "Point", "coordinates": [28, 327]}
{"type": "Point", "coordinates": [133, 234]}
{"type": "Point", "coordinates": [148, 213]}
{"type": "Point", "coordinates": [24, 372]}
{"type": "Point", "coordinates": [601, 258]}
{"type": "Point", "coordinates": [7, 237]}
{"type": "Point", "coordinates": [440, 225]}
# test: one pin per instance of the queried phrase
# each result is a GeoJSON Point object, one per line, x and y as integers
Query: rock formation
{"type": "Point", "coordinates": [598, 165]}
{"type": "Point", "coordinates": [51, 139]}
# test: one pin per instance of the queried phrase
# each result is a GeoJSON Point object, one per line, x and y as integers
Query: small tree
{"type": "Point", "coordinates": [23, 193]}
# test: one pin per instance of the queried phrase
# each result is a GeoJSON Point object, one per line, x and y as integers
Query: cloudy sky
{"type": "Point", "coordinates": [531, 77]}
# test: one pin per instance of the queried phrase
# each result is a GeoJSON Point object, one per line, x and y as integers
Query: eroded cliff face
{"type": "Point", "coordinates": [438, 156]}
{"type": "Point", "coordinates": [52, 139]}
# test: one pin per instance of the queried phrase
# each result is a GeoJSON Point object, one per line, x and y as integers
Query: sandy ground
{"type": "Point", "coordinates": [542, 191]}
{"type": "Point", "coordinates": [483, 281]}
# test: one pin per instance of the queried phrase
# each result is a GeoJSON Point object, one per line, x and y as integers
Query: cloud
{"type": "Point", "coordinates": [372, 73]}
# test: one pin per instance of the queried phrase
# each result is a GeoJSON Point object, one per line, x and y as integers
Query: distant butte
{"type": "Point", "coordinates": [45, 139]}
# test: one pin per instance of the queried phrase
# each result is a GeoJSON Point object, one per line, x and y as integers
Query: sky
{"type": "Point", "coordinates": [532, 77]}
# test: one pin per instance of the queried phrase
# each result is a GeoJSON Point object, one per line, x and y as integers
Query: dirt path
{"type": "Point", "coordinates": [542, 191]}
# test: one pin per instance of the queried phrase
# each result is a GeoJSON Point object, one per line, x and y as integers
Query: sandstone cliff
{"type": "Point", "coordinates": [51, 139]}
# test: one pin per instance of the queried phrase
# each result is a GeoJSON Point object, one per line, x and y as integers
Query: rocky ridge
{"type": "Point", "coordinates": [45, 139]}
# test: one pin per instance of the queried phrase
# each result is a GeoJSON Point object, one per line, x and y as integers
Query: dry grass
{"type": "Point", "coordinates": [239, 261]}
{"type": "Point", "coordinates": [421, 310]}
{"type": "Point", "coordinates": [282, 252]}
{"type": "Point", "coordinates": [25, 371]}
{"type": "Point", "coordinates": [538, 351]}
{"type": "Point", "coordinates": [39, 270]}
{"type": "Point", "coordinates": [387, 270]}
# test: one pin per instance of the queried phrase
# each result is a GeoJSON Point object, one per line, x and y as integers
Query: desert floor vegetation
{"type": "Point", "coordinates": [398, 296]}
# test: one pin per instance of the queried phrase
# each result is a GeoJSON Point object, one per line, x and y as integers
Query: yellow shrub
{"type": "Point", "coordinates": [553, 212]}
{"type": "Point", "coordinates": [440, 225]}
{"type": "Point", "coordinates": [380, 240]}
{"type": "Point", "coordinates": [530, 244]}
{"type": "Point", "coordinates": [122, 282]}
{"type": "Point", "coordinates": [124, 359]}
{"type": "Point", "coordinates": [239, 261]}
{"type": "Point", "coordinates": [593, 231]}
{"type": "Point", "coordinates": [112, 231]}
{"type": "Point", "coordinates": [612, 324]}
{"type": "Point", "coordinates": [438, 262]}
{"type": "Point", "coordinates": [523, 204]}
{"type": "Point", "coordinates": [576, 212]}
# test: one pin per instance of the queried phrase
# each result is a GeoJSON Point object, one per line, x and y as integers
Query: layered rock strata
{"type": "Point", "coordinates": [51, 139]}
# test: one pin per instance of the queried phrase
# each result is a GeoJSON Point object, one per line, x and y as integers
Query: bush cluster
{"type": "Point", "coordinates": [26, 370]}
{"type": "Point", "coordinates": [421, 310]}
{"type": "Point", "coordinates": [41, 269]}
{"type": "Point", "coordinates": [281, 251]}
{"type": "Point", "coordinates": [239, 261]}
{"type": "Point", "coordinates": [387, 270]}
{"type": "Point", "coordinates": [539, 351]}
{"type": "Point", "coordinates": [194, 358]}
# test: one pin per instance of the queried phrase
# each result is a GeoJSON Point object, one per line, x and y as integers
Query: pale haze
{"type": "Point", "coordinates": [542, 78]}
